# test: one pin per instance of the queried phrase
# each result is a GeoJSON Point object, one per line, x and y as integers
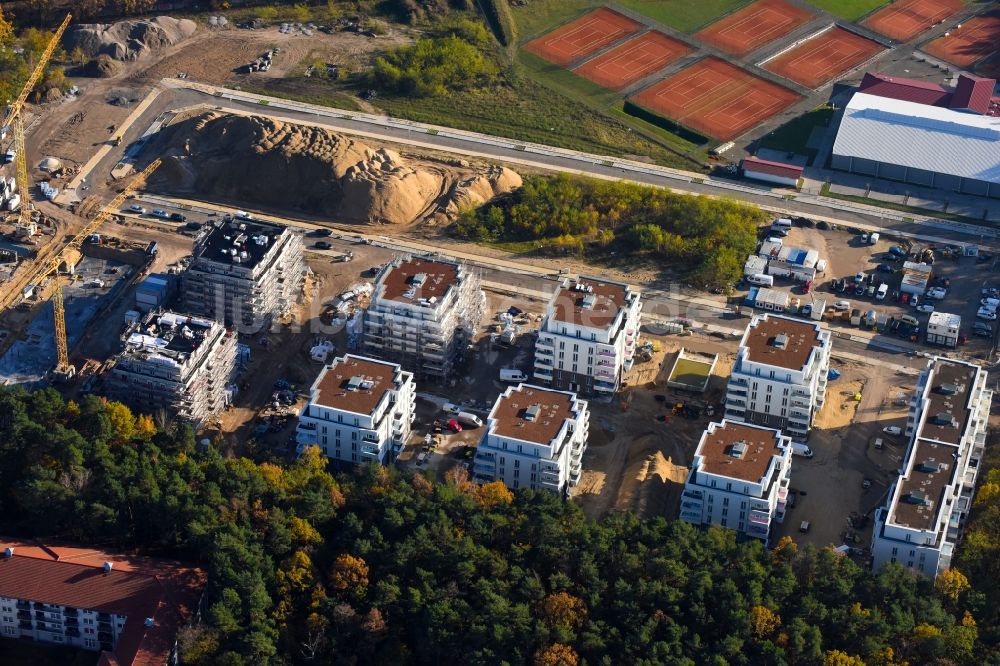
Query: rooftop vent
{"type": "Point", "coordinates": [917, 497]}
{"type": "Point", "coordinates": [589, 301]}
{"type": "Point", "coordinates": [355, 383]}
{"type": "Point", "coordinates": [739, 449]}
{"type": "Point", "coordinates": [532, 412]}
{"type": "Point", "coordinates": [928, 467]}
{"type": "Point", "coordinates": [945, 419]}
{"type": "Point", "coordinates": [780, 341]}
{"type": "Point", "coordinates": [8, 552]}
{"type": "Point", "coordinates": [947, 389]}
{"type": "Point", "coordinates": [418, 279]}
{"type": "Point", "coordinates": [107, 567]}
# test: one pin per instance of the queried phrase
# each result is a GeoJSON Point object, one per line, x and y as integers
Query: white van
{"type": "Point", "coordinates": [761, 280]}
{"type": "Point", "coordinates": [799, 449]}
{"type": "Point", "coordinates": [470, 420]}
{"type": "Point", "coordinates": [512, 375]}
{"type": "Point", "coordinates": [883, 289]}
{"type": "Point", "coordinates": [243, 215]}
{"type": "Point", "coordinates": [782, 225]}
{"type": "Point", "coordinates": [451, 408]}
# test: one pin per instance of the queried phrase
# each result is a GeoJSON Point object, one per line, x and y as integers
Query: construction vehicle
{"type": "Point", "coordinates": [118, 140]}
{"type": "Point", "coordinates": [64, 371]}
{"type": "Point", "coordinates": [15, 119]}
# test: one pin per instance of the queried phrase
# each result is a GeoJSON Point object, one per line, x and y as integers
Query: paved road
{"type": "Point", "coordinates": [181, 94]}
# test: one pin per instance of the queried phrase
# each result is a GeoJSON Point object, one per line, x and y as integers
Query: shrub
{"type": "Point", "coordinates": [432, 67]}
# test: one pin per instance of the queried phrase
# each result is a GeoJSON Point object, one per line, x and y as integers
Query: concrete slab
{"type": "Point", "coordinates": [849, 190]}
{"type": "Point", "coordinates": [782, 156]}
{"type": "Point", "coordinates": [966, 210]}
{"type": "Point", "coordinates": [929, 204]}
{"type": "Point", "coordinates": [892, 197]}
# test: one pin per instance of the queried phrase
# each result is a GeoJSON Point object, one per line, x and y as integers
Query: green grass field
{"type": "Point", "coordinates": [690, 372]}
{"type": "Point", "coordinates": [851, 10]}
{"type": "Point", "coordinates": [540, 16]}
{"type": "Point", "coordinates": [685, 15]}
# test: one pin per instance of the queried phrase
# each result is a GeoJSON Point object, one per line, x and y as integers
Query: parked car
{"type": "Point", "coordinates": [859, 290]}
{"type": "Point", "coordinates": [937, 293]}
{"type": "Point", "coordinates": [322, 245]}
{"type": "Point", "coordinates": [160, 213]}
{"type": "Point", "coordinates": [324, 232]}
{"type": "Point", "coordinates": [860, 277]}
{"type": "Point", "coordinates": [986, 332]}
{"type": "Point", "coordinates": [842, 305]}
{"type": "Point", "coordinates": [927, 308]}
{"type": "Point", "coordinates": [886, 268]}
{"type": "Point", "coordinates": [193, 226]}
{"type": "Point", "coordinates": [806, 310]}
{"type": "Point", "coordinates": [987, 314]}
{"type": "Point", "coordinates": [990, 292]}
{"type": "Point", "coordinates": [178, 217]}
{"type": "Point", "coordinates": [136, 208]}
{"type": "Point", "coordinates": [892, 430]}
{"type": "Point", "coordinates": [454, 426]}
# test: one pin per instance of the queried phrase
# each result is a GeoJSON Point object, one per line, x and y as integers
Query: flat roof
{"type": "Point", "coordinates": [589, 302]}
{"type": "Point", "coordinates": [771, 167]}
{"type": "Point", "coordinates": [920, 136]}
{"type": "Point", "coordinates": [250, 239]}
{"type": "Point", "coordinates": [781, 341]}
{"type": "Point", "coordinates": [918, 502]}
{"type": "Point", "coordinates": [414, 279]}
{"type": "Point", "coordinates": [173, 335]}
{"type": "Point", "coordinates": [738, 450]}
{"type": "Point", "coordinates": [947, 393]}
{"type": "Point", "coordinates": [945, 319]}
{"type": "Point", "coordinates": [354, 384]}
{"type": "Point", "coordinates": [515, 415]}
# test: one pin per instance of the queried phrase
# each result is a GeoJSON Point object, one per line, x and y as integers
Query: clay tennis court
{"type": "Point", "coordinates": [633, 60]}
{"type": "Point", "coordinates": [755, 25]}
{"type": "Point", "coordinates": [589, 33]}
{"type": "Point", "coordinates": [716, 99]}
{"type": "Point", "coordinates": [906, 19]}
{"type": "Point", "coordinates": [965, 46]}
{"type": "Point", "coordinates": [824, 57]}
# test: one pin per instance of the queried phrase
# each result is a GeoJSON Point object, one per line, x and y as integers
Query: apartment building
{"type": "Point", "coordinates": [925, 510]}
{"type": "Point", "coordinates": [423, 313]}
{"type": "Point", "coordinates": [127, 609]}
{"type": "Point", "coordinates": [535, 438]}
{"type": "Point", "coordinates": [739, 479]}
{"type": "Point", "coordinates": [174, 362]}
{"type": "Point", "coordinates": [588, 336]}
{"type": "Point", "coordinates": [780, 374]}
{"type": "Point", "coordinates": [359, 410]}
{"type": "Point", "coordinates": [244, 273]}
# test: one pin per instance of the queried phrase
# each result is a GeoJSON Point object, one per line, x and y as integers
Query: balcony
{"type": "Point", "coordinates": [605, 387]}
{"type": "Point", "coordinates": [543, 350]}
{"type": "Point", "coordinates": [758, 531]}
{"type": "Point", "coordinates": [544, 372]}
{"type": "Point", "coordinates": [544, 342]}
{"type": "Point", "coordinates": [304, 426]}
{"type": "Point", "coordinates": [543, 361]}
{"type": "Point", "coordinates": [691, 516]}
{"type": "Point", "coordinates": [371, 452]}
{"type": "Point", "coordinates": [611, 353]}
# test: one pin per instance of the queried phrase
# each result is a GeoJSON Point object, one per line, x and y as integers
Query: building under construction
{"type": "Point", "coordinates": [177, 363]}
{"type": "Point", "coordinates": [422, 315]}
{"type": "Point", "coordinates": [244, 273]}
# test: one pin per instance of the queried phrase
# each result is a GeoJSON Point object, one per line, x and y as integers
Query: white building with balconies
{"type": "Point", "coordinates": [535, 438]}
{"type": "Point", "coordinates": [359, 410]}
{"type": "Point", "coordinates": [739, 479]}
{"type": "Point", "coordinates": [921, 523]}
{"type": "Point", "coordinates": [780, 374]}
{"type": "Point", "coordinates": [588, 337]}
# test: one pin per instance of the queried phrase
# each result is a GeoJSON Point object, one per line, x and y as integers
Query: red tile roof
{"type": "Point", "coordinates": [973, 93]}
{"type": "Point", "coordinates": [137, 587]}
{"type": "Point", "coordinates": [908, 90]}
{"type": "Point", "coordinates": [773, 168]}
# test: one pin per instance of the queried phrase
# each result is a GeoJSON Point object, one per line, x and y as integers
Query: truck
{"type": "Point", "coordinates": [512, 375]}
{"type": "Point", "coordinates": [856, 317]}
{"type": "Point", "coordinates": [470, 420]}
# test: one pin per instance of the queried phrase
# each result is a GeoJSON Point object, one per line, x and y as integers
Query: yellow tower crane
{"type": "Point", "coordinates": [64, 370]}
{"type": "Point", "coordinates": [15, 118]}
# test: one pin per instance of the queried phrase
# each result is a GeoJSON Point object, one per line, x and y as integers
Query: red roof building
{"type": "Point", "coordinates": [770, 171]}
{"type": "Point", "coordinates": [973, 93]}
{"type": "Point", "coordinates": [128, 608]}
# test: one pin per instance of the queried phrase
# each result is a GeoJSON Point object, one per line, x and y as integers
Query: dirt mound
{"type": "Point", "coordinates": [128, 40]}
{"type": "Point", "coordinates": [282, 165]}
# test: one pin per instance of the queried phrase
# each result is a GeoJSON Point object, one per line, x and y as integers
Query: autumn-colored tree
{"type": "Point", "coordinates": [840, 658]}
{"type": "Point", "coordinates": [348, 573]}
{"type": "Point", "coordinates": [6, 30]}
{"type": "Point", "coordinates": [295, 578]}
{"type": "Point", "coordinates": [763, 622]}
{"type": "Point", "coordinates": [886, 657]}
{"type": "Point", "coordinates": [144, 427]}
{"type": "Point", "coordinates": [960, 640]}
{"type": "Point", "coordinates": [556, 654]}
{"type": "Point", "coordinates": [304, 533]}
{"type": "Point", "coordinates": [951, 584]}
{"type": "Point", "coordinates": [923, 631]}
{"type": "Point", "coordinates": [374, 623]}
{"type": "Point", "coordinates": [988, 492]}
{"type": "Point", "coordinates": [122, 421]}
{"type": "Point", "coordinates": [273, 475]}
{"type": "Point", "coordinates": [493, 494]}
{"type": "Point", "coordinates": [422, 485]}
{"type": "Point", "coordinates": [562, 610]}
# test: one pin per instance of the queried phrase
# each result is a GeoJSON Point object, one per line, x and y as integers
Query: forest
{"type": "Point", "coordinates": [379, 567]}
{"type": "Point", "coordinates": [702, 239]}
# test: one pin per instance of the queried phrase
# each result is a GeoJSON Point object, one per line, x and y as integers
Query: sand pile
{"type": "Point", "coordinates": [128, 40]}
{"type": "Point", "coordinates": [285, 166]}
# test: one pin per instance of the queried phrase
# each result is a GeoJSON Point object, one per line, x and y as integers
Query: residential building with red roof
{"type": "Point", "coordinates": [129, 608]}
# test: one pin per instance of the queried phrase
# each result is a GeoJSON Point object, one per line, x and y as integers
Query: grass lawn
{"type": "Point", "coordinates": [317, 94]}
{"type": "Point", "coordinates": [851, 10]}
{"type": "Point", "coordinates": [793, 135]}
{"type": "Point", "coordinates": [685, 15]}
{"type": "Point", "coordinates": [690, 372]}
{"type": "Point", "coordinates": [27, 653]}
{"type": "Point", "coordinates": [540, 16]}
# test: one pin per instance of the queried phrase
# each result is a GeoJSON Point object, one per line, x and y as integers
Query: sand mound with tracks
{"type": "Point", "coordinates": [128, 40]}
{"type": "Point", "coordinates": [286, 166]}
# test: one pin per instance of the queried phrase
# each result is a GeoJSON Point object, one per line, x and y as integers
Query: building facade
{"type": "Point", "coordinates": [177, 363]}
{"type": "Point", "coordinates": [588, 336]}
{"type": "Point", "coordinates": [423, 313]}
{"type": "Point", "coordinates": [360, 410]}
{"type": "Point", "coordinates": [780, 375]}
{"type": "Point", "coordinates": [535, 438]}
{"type": "Point", "coordinates": [739, 479]}
{"type": "Point", "coordinates": [128, 610]}
{"type": "Point", "coordinates": [943, 329]}
{"type": "Point", "coordinates": [925, 511]}
{"type": "Point", "coordinates": [244, 273]}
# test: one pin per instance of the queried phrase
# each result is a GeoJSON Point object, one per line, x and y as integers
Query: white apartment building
{"type": "Point", "coordinates": [174, 362]}
{"type": "Point", "coordinates": [922, 520]}
{"type": "Point", "coordinates": [588, 336]}
{"type": "Point", "coordinates": [359, 410]}
{"type": "Point", "coordinates": [535, 438]}
{"type": "Point", "coordinates": [423, 313]}
{"type": "Point", "coordinates": [244, 273]}
{"type": "Point", "coordinates": [779, 378]}
{"type": "Point", "coordinates": [739, 479]}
